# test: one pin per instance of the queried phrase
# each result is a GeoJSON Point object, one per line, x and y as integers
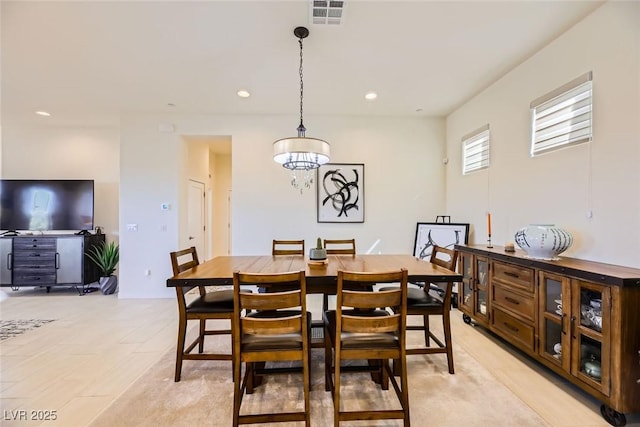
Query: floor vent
{"type": "Point", "coordinates": [326, 12]}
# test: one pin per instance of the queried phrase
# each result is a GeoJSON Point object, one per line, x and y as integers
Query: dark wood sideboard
{"type": "Point", "coordinates": [579, 318]}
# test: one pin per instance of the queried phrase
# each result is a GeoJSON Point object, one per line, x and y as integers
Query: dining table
{"type": "Point", "coordinates": [321, 278]}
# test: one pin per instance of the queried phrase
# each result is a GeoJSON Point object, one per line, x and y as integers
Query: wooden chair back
{"type": "Point", "coordinates": [340, 246]}
{"type": "Point", "coordinates": [184, 260]}
{"type": "Point", "coordinates": [287, 247]}
{"type": "Point", "coordinates": [180, 264]}
{"type": "Point", "coordinates": [444, 257]}
{"type": "Point", "coordinates": [364, 301]}
{"type": "Point", "coordinates": [294, 301]}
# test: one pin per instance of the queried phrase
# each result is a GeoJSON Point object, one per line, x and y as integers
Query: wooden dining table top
{"type": "Point", "coordinates": [219, 270]}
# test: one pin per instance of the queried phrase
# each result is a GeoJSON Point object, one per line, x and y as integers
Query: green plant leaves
{"type": "Point", "coordinates": [105, 256]}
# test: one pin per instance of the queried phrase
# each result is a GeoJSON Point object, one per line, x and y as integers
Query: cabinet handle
{"type": "Point", "coordinates": [562, 324]}
{"type": "Point", "coordinates": [508, 273]}
{"type": "Point", "coordinates": [57, 260]}
{"type": "Point", "coordinates": [9, 261]}
{"type": "Point", "coordinates": [513, 328]}
{"type": "Point", "coordinates": [512, 300]}
{"type": "Point", "coordinates": [573, 324]}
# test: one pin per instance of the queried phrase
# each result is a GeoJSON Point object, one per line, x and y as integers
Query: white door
{"type": "Point", "coordinates": [195, 218]}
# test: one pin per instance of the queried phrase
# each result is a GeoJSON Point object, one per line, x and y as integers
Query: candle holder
{"type": "Point", "coordinates": [489, 245]}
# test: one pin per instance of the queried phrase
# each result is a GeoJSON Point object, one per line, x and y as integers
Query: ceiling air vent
{"type": "Point", "coordinates": [326, 12]}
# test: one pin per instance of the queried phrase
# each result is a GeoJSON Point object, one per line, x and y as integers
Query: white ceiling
{"type": "Point", "coordinates": [87, 62]}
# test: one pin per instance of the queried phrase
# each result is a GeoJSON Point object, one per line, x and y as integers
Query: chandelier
{"type": "Point", "coordinates": [301, 155]}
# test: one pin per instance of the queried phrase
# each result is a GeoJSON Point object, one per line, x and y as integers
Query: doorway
{"type": "Point", "coordinates": [196, 216]}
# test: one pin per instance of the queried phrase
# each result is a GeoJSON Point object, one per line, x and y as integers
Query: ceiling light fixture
{"type": "Point", "coordinates": [301, 155]}
{"type": "Point", "coordinates": [370, 96]}
{"type": "Point", "coordinates": [43, 113]}
{"type": "Point", "coordinates": [243, 93]}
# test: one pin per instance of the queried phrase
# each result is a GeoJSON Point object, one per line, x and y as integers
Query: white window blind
{"type": "Point", "coordinates": [562, 117]}
{"type": "Point", "coordinates": [475, 150]}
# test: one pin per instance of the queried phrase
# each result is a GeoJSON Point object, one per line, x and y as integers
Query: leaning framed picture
{"type": "Point", "coordinates": [430, 234]}
{"type": "Point", "coordinates": [340, 192]}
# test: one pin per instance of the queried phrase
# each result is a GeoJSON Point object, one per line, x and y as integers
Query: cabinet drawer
{"type": "Point", "coordinates": [44, 257]}
{"type": "Point", "coordinates": [520, 304]}
{"type": "Point", "coordinates": [35, 279]}
{"type": "Point", "coordinates": [513, 275]}
{"type": "Point", "coordinates": [515, 331]}
{"type": "Point", "coordinates": [34, 243]}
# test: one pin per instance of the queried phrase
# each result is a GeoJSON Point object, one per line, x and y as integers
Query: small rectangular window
{"type": "Point", "coordinates": [475, 150]}
{"type": "Point", "coordinates": [562, 117]}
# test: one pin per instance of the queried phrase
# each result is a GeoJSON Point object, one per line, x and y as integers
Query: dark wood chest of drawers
{"type": "Point", "coordinates": [34, 261]}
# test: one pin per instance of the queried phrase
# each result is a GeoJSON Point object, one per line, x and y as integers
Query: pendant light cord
{"type": "Point", "coordinates": [301, 128]}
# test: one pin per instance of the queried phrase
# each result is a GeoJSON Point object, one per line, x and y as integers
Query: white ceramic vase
{"type": "Point", "coordinates": [543, 241]}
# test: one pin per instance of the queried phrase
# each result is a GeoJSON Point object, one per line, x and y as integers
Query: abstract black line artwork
{"type": "Point", "coordinates": [340, 192]}
{"type": "Point", "coordinates": [430, 234]}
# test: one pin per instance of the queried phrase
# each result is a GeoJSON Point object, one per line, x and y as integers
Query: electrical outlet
{"type": "Point", "coordinates": [132, 227]}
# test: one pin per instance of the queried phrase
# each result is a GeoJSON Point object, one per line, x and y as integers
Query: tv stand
{"type": "Point", "coordinates": [48, 260]}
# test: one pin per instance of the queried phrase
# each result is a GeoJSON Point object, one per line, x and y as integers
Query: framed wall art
{"type": "Point", "coordinates": [340, 192]}
{"type": "Point", "coordinates": [429, 234]}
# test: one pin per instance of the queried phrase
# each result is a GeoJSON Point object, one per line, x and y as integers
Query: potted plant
{"type": "Point", "coordinates": [318, 253]}
{"type": "Point", "coordinates": [106, 257]}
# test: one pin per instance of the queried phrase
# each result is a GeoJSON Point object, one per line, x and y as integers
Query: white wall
{"type": "Point", "coordinates": [404, 184]}
{"type": "Point", "coordinates": [602, 177]}
{"type": "Point", "coordinates": [48, 152]}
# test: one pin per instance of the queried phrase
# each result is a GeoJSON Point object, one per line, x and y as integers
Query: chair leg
{"type": "Point", "coordinates": [425, 320]}
{"type": "Point", "coordinates": [203, 324]}
{"type": "Point", "coordinates": [336, 391]}
{"type": "Point", "coordinates": [306, 373]}
{"type": "Point", "coordinates": [384, 373]}
{"type": "Point", "coordinates": [446, 326]}
{"type": "Point", "coordinates": [405, 390]}
{"type": "Point", "coordinates": [237, 391]}
{"type": "Point", "coordinates": [328, 362]}
{"type": "Point", "coordinates": [250, 377]}
{"type": "Point", "coordinates": [182, 332]}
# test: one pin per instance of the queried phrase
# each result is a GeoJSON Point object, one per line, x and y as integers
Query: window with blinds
{"type": "Point", "coordinates": [562, 117]}
{"type": "Point", "coordinates": [475, 150]}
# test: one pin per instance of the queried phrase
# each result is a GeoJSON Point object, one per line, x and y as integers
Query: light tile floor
{"type": "Point", "coordinates": [99, 345]}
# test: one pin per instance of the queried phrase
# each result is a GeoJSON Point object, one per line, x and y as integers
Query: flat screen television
{"type": "Point", "coordinates": [43, 205]}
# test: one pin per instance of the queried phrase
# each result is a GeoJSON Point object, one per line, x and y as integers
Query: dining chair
{"type": "Point", "coordinates": [287, 247]}
{"type": "Point", "coordinates": [430, 300]}
{"type": "Point", "coordinates": [340, 246]}
{"type": "Point", "coordinates": [358, 329]}
{"type": "Point", "coordinates": [206, 306]}
{"type": "Point", "coordinates": [273, 328]}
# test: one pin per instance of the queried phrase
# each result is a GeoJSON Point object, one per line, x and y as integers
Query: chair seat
{"type": "Point", "coordinates": [212, 302]}
{"type": "Point", "coordinates": [417, 297]}
{"type": "Point", "coordinates": [361, 340]}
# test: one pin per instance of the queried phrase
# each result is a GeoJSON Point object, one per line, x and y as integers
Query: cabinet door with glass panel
{"type": "Point", "coordinates": [474, 292]}
{"type": "Point", "coordinates": [574, 328]}
{"type": "Point", "coordinates": [591, 334]}
{"type": "Point", "coordinates": [555, 311]}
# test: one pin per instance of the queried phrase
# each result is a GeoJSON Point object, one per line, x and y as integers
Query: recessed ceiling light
{"type": "Point", "coordinates": [43, 113]}
{"type": "Point", "coordinates": [370, 96]}
{"type": "Point", "coordinates": [243, 94]}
